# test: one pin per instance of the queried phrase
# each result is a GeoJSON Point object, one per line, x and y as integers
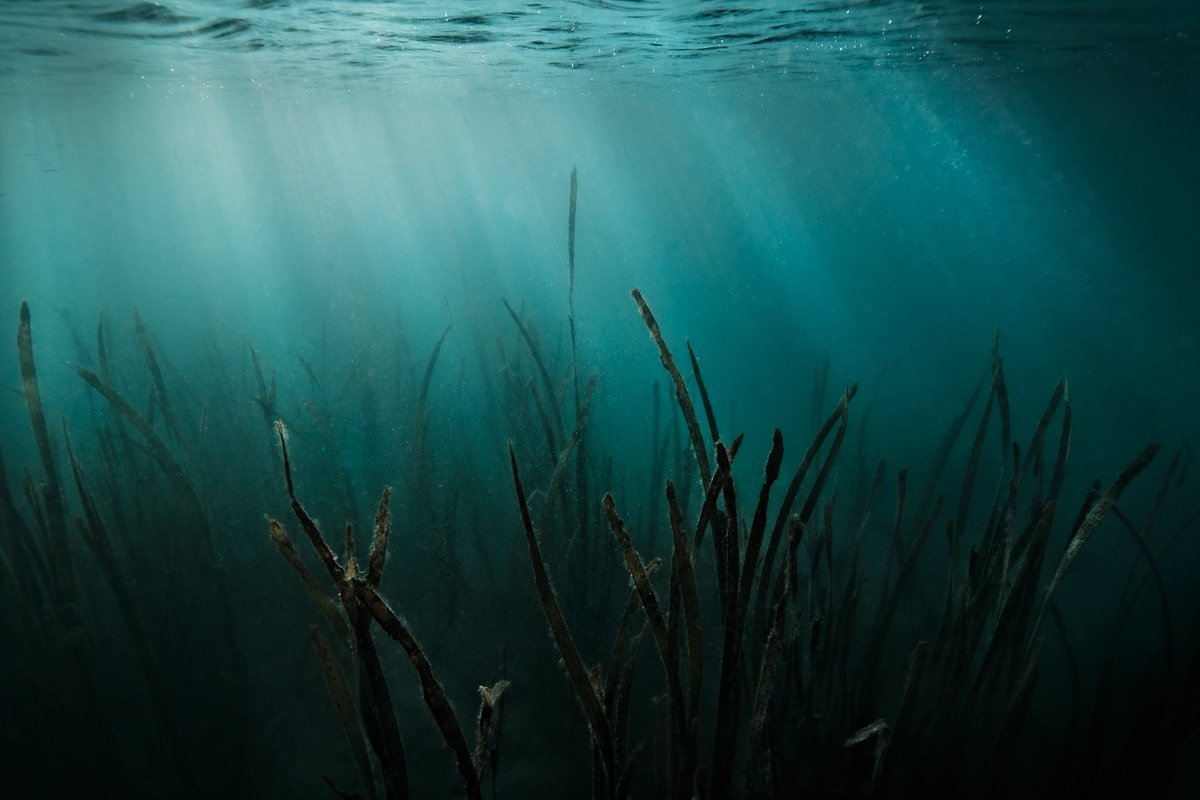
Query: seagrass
{"type": "Point", "coordinates": [92, 530]}
{"type": "Point", "coordinates": [664, 749]}
{"type": "Point", "coordinates": [621, 698]}
{"type": "Point", "coordinates": [758, 525]}
{"type": "Point", "coordinates": [888, 609]}
{"type": "Point", "coordinates": [581, 465]}
{"type": "Point", "coordinates": [64, 650]}
{"type": "Point", "coordinates": [160, 386]}
{"type": "Point", "coordinates": [30, 494]}
{"type": "Point", "coordinates": [422, 408]}
{"type": "Point", "coordinates": [968, 484]}
{"type": "Point", "coordinates": [814, 697]}
{"type": "Point", "coordinates": [1130, 590]}
{"type": "Point", "coordinates": [102, 351]}
{"type": "Point", "coordinates": [641, 581]}
{"type": "Point", "coordinates": [339, 480]}
{"type": "Point", "coordinates": [557, 486]}
{"type": "Point", "coordinates": [736, 599]}
{"type": "Point", "coordinates": [1177, 470]}
{"type": "Point", "coordinates": [1002, 403]}
{"type": "Point", "coordinates": [1073, 673]}
{"type": "Point", "coordinates": [162, 455]}
{"type": "Point", "coordinates": [25, 559]}
{"type": "Point", "coordinates": [665, 637]}
{"type": "Point", "coordinates": [725, 542]}
{"type": "Point", "coordinates": [704, 400]}
{"type": "Point", "coordinates": [713, 493]}
{"type": "Point", "coordinates": [1125, 606]}
{"type": "Point", "coordinates": [1084, 529]}
{"type": "Point", "coordinates": [846, 618]}
{"type": "Point", "coordinates": [374, 698]}
{"type": "Point", "coordinates": [109, 466]}
{"type": "Point", "coordinates": [576, 671]}
{"type": "Point", "coordinates": [55, 520]}
{"type": "Point", "coordinates": [547, 429]}
{"type": "Point", "coordinates": [946, 447]}
{"type": "Point", "coordinates": [485, 722]}
{"type": "Point", "coordinates": [612, 675]}
{"type": "Point", "coordinates": [339, 690]}
{"type": "Point", "coordinates": [431, 688]}
{"type": "Point", "coordinates": [1037, 445]}
{"type": "Point", "coordinates": [683, 560]}
{"type": "Point", "coordinates": [762, 694]}
{"type": "Point", "coordinates": [682, 396]}
{"type": "Point", "coordinates": [909, 696]}
{"type": "Point", "coordinates": [288, 550]}
{"type": "Point", "coordinates": [819, 386]}
{"type": "Point", "coordinates": [548, 385]}
{"type": "Point", "coordinates": [674, 741]}
{"type": "Point", "coordinates": [379, 541]}
{"type": "Point", "coordinates": [789, 498]}
{"type": "Point", "coordinates": [818, 486]}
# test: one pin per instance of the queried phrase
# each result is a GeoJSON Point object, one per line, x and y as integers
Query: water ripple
{"type": "Point", "coordinates": [726, 39]}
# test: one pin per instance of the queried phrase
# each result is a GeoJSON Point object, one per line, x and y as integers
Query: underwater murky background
{"type": "Point", "coordinates": [811, 194]}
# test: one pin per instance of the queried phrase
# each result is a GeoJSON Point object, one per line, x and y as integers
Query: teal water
{"type": "Point", "coordinates": [885, 188]}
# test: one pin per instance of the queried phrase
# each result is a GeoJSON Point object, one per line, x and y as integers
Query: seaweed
{"type": "Point", "coordinates": [51, 496]}
{"type": "Point", "coordinates": [160, 386]}
{"type": "Point", "coordinates": [682, 396]}
{"type": "Point", "coordinates": [339, 690]}
{"type": "Point", "coordinates": [431, 688]}
{"type": "Point", "coordinates": [581, 681]}
{"type": "Point", "coordinates": [362, 603]}
{"type": "Point", "coordinates": [845, 656]}
{"type": "Point", "coordinates": [161, 453]}
{"type": "Point", "coordinates": [581, 475]}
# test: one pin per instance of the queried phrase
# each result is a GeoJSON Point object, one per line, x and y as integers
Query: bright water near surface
{"type": "Point", "coordinates": [300, 198]}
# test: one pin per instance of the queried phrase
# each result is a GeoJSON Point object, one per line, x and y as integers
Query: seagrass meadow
{"type": "Point", "coordinates": [599, 400]}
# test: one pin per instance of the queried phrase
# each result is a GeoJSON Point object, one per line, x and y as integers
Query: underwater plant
{"type": "Point", "coordinates": [816, 627]}
{"type": "Point", "coordinates": [812, 696]}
